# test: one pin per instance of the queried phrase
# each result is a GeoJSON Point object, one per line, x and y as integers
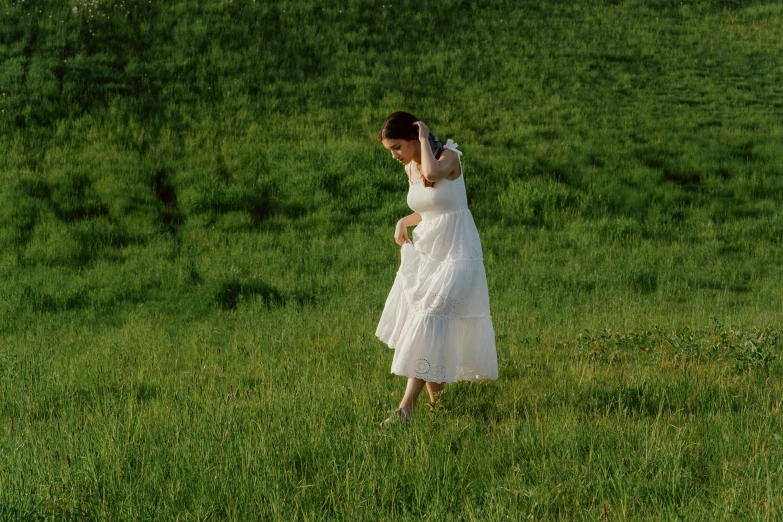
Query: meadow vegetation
{"type": "Point", "coordinates": [196, 243]}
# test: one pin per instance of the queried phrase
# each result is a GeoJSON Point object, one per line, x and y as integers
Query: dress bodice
{"type": "Point", "coordinates": [443, 197]}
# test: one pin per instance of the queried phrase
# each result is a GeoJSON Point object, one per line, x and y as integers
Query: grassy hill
{"type": "Point", "coordinates": [195, 246]}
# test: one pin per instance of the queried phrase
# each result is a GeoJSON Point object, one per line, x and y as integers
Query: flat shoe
{"type": "Point", "coordinates": [398, 417]}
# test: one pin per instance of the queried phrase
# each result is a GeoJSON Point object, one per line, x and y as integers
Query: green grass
{"type": "Point", "coordinates": [195, 247]}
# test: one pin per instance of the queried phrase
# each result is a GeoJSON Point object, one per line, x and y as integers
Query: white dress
{"type": "Point", "coordinates": [436, 317]}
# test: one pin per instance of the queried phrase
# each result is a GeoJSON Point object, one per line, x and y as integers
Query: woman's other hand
{"type": "Point", "coordinates": [401, 233]}
{"type": "Point", "coordinates": [424, 131]}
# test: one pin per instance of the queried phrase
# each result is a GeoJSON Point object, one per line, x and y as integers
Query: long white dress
{"type": "Point", "coordinates": [436, 317]}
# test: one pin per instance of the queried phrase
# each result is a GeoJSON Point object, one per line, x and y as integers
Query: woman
{"type": "Point", "coordinates": [436, 317]}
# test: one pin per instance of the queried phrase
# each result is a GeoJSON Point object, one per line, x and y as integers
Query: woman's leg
{"type": "Point", "coordinates": [434, 388]}
{"type": "Point", "coordinates": [412, 392]}
{"type": "Point", "coordinates": [408, 403]}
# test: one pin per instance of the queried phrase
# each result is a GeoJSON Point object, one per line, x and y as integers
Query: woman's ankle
{"type": "Point", "coordinates": [407, 408]}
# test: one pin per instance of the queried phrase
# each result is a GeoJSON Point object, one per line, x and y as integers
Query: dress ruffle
{"type": "Point", "coordinates": [437, 320]}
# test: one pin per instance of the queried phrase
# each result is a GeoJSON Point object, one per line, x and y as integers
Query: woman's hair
{"type": "Point", "coordinates": [399, 126]}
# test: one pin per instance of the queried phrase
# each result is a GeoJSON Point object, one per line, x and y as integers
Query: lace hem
{"type": "Point", "coordinates": [438, 375]}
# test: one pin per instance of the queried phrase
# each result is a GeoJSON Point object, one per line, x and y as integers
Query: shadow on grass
{"type": "Point", "coordinates": [230, 293]}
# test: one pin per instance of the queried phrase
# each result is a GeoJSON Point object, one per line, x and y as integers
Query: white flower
{"type": "Point", "coordinates": [75, 9]}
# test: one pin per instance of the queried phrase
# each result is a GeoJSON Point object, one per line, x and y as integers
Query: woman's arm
{"type": "Point", "coordinates": [412, 220]}
{"type": "Point", "coordinates": [435, 170]}
{"type": "Point", "coordinates": [401, 230]}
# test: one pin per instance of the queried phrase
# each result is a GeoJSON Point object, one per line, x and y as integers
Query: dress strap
{"type": "Point", "coordinates": [453, 146]}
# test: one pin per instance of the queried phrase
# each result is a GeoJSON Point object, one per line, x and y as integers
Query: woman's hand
{"type": "Point", "coordinates": [424, 131]}
{"type": "Point", "coordinates": [401, 233]}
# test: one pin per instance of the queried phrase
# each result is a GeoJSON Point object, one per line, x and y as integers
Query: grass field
{"type": "Point", "coordinates": [196, 244]}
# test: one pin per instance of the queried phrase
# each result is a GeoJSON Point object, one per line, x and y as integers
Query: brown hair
{"type": "Point", "coordinates": [399, 126]}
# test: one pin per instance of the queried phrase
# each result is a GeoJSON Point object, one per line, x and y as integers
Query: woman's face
{"type": "Point", "coordinates": [403, 151]}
